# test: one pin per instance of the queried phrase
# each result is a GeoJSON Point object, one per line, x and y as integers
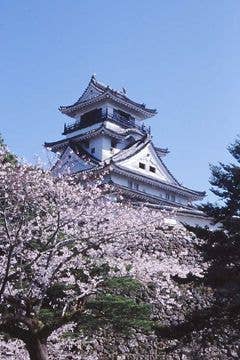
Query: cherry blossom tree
{"type": "Point", "coordinates": [62, 240]}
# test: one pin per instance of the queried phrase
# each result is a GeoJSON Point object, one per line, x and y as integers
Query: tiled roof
{"type": "Point", "coordinates": [106, 91]}
{"type": "Point", "coordinates": [132, 149]}
{"type": "Point", "coordinates": [161, 151]}
{"type": "Point", "coordinates": [82, 153]}
{"type": "Point", "coordinates": [117, 133]}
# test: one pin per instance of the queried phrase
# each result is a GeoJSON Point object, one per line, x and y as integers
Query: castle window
{"type": "Point", "coordinates": [167, 196]}
{"type": "Point", "coordinates": [113, 143]}
{"type": "Point", "coordinates": [121, 114]}
{"type": "Point", "coordinates": [91, 117]}
{"type": "Point", "coordinates": [133, 185]}
{"type": "Point", "coordinates": [173, 197]}
{"type": "Point", "coordinates": [152, 169]}
{"type": "Point", "coordinates": [93, 150]}
{"type": "Point", "coordinates": [123, 117]}
{"type": "Point", "coordinates": [130, 184]}
{"type": "Point", "coordinates": [142, 166]}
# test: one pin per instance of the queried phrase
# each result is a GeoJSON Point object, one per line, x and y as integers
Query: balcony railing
{"type": "Point", "coordinates": [113, 117]}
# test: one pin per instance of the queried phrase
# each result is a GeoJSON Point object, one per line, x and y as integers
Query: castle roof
{"type": "Point", "coordinates": [94, 130]}
{"type": "Point", "coordinates": [97, 92]}
{"type": "Point", "coordinates": [116, 163]}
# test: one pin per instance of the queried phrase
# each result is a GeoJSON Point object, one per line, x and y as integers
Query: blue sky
{"type": "Point", "coordinates": [181, 57]}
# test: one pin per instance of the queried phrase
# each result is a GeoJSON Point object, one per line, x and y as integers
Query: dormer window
{"type": "Point", "coordinates": [93, 150]}
{"type": "Point", "coordinates": [113, 143]}
{"type": "Point", "coordinates": [142, 165]}
{"type": "Point", "coordinates": [152, 169]}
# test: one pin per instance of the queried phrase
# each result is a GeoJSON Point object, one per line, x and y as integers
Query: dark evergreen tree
{"type": "Point", "coordinates": [222, 249]}
{"type": "Point", "coordinates": [8, 157]}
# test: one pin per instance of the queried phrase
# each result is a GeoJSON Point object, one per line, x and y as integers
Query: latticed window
{"type": "Point", "coordinates": [133, 185]}
{"type": "Point", "coordinates": [136, 186]}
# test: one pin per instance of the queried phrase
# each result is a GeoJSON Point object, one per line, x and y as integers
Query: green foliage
{"type": "Point", "coordinates": [9, 157]}
{"type": "Point", "coordinates": [2, 144]}
{"type": "Point", "coordinates": [221, 246]}
{"type": "Point", "coordinates": [121, 312]}
{"type": "Point", "coordinates": [56, 292]}
{"type": "Point", "coordinates": [102, 270]}
{"type": "Point", "coordinates": [47, 315]}
{"type": "Point", "coordinates": [124, 284]}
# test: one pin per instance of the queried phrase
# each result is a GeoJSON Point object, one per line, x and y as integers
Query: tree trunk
{"type": "Point", "coordinates": [37, 349]}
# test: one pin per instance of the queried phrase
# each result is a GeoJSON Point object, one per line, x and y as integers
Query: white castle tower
{"type": "Point", "coordinates": [107, 133]}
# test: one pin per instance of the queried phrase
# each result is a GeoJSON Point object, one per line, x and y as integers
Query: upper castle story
{"type": "Point", "coordinates": [100, 103]}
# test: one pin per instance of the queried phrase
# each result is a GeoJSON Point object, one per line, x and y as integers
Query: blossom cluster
{"type": "Point", "coordinates": [56, 233]}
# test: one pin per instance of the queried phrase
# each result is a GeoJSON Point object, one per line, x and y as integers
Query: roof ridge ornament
{"type": "Point", "coordinates": [93, 77]}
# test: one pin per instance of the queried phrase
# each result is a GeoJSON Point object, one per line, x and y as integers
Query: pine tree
{"type": "Point", "coordinates": [222, 247]}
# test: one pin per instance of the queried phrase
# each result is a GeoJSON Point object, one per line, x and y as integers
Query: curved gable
{"type": "Point", "coordinates": [147, 163]}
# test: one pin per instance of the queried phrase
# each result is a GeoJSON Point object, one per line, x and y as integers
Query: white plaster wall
{"type": "Point", "coordinates": [106, 147]}
{"type": "Point", "coordinates": [149, 158]}
{"type": "Point", "coordinates": [96, 143]}
{"type": "Point", "coordinates": [102, 145]}
{"type": "Point", "coordinates": [146, 188]}
{"type": "Point", "coordinates": [77, 117]}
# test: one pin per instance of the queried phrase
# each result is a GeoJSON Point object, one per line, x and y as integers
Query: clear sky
{"type": "Point", "coordinates": [179, 56]}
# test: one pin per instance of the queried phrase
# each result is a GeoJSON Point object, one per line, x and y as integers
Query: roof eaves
{"type": "Point", "coordinates": [131, 151]}
{"type": "Point", "coordinates": [80, 151]}
{"type": "Point", "coordinates": [107, 92]}
{"type": "Point", "coordinates": [173, 187]}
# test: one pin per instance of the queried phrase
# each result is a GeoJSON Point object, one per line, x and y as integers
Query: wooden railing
{"type": "Point", "coordinates": [113, 117]}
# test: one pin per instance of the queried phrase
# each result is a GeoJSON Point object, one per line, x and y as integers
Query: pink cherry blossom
{"type": "Point", "coordinates": [52, 226]}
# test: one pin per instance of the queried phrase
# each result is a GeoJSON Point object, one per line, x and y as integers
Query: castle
{"type": "Point", "coordinates": [108, 134]}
